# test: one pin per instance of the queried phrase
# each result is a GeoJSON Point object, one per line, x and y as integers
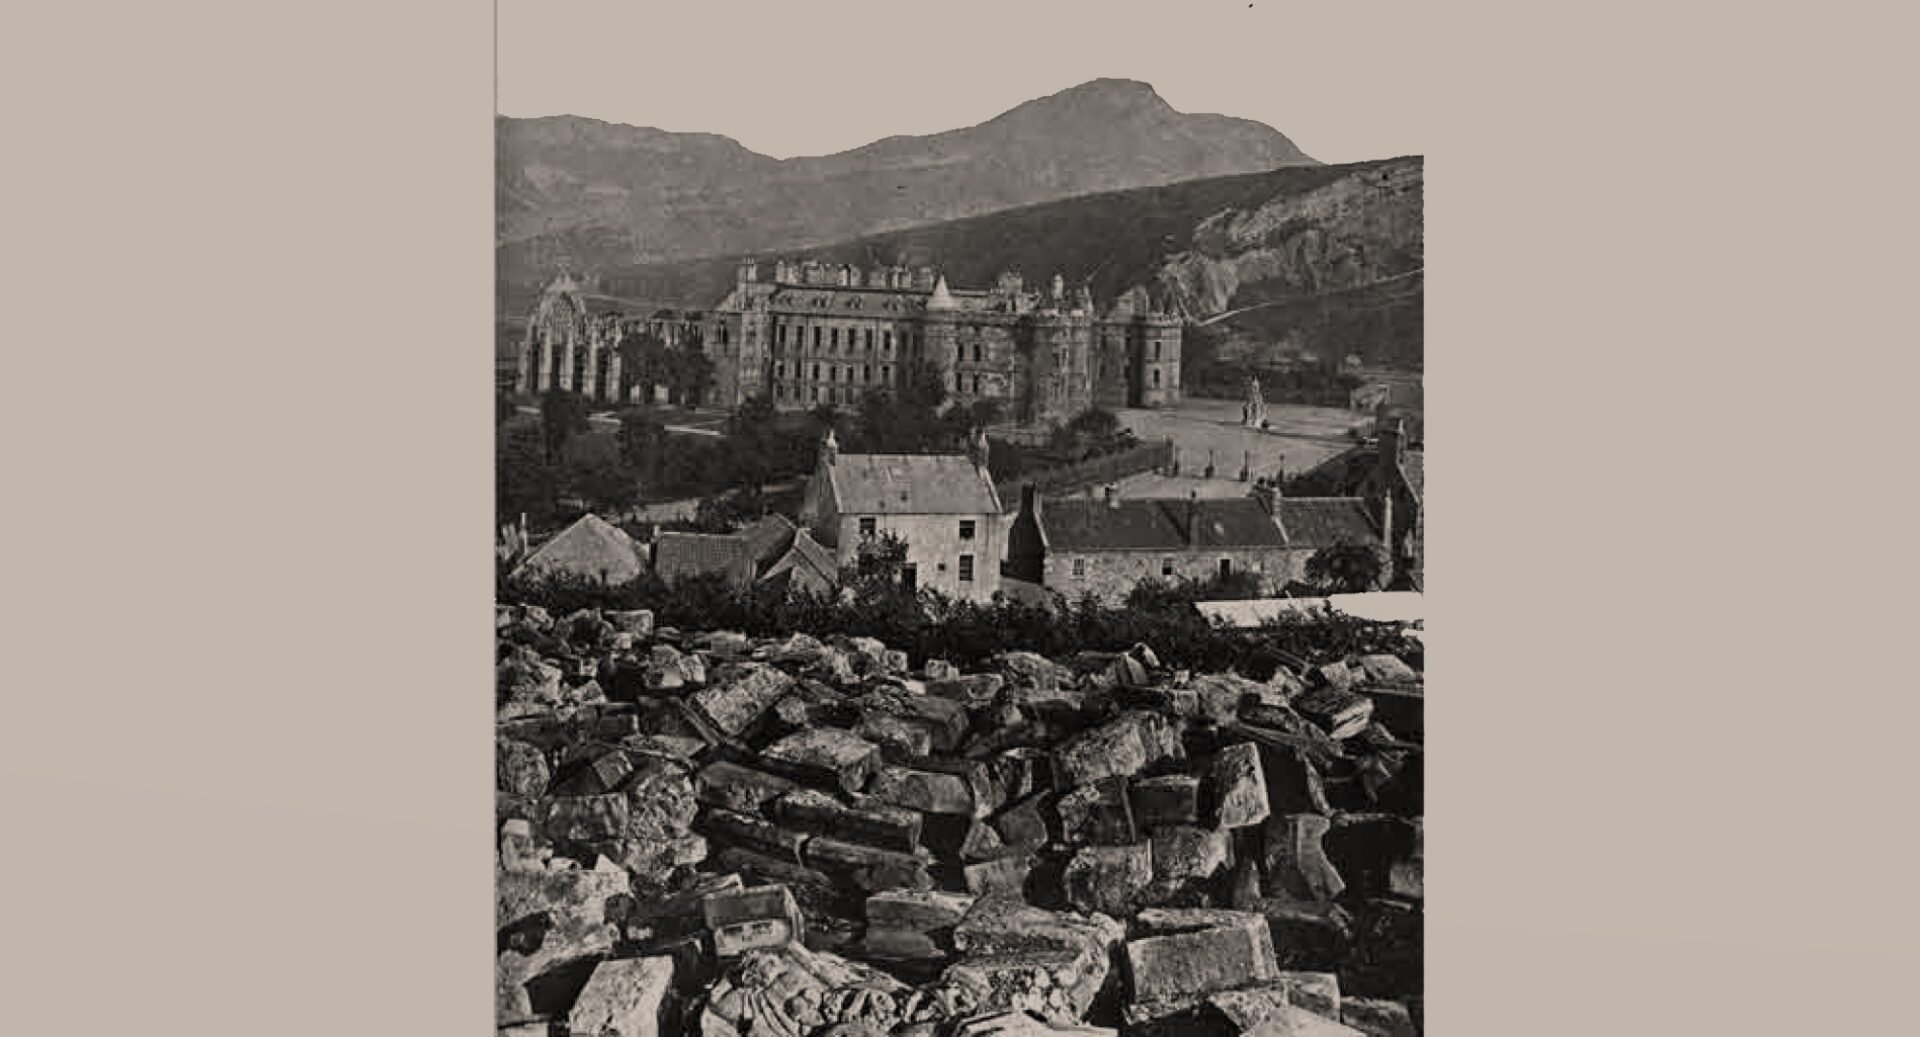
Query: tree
{"type": "Point", "coordinates": [524, 483]}
{"type": "Point", "coordinates": [1346, 568]}
{"type": "Point", "coordinates": [923, 387]}
{"type": "Point", "coordinates": [643, 362]}
{"type": "Point", "coordinates": [643, 442]}
{"type": "Point", "coordinates": [563, 415]}
{"type": "Point", "coordinates": [690, 372]}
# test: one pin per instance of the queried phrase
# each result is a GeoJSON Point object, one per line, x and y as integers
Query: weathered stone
{"type": "Point", "coordinates": [1338, 712]}
{"type": "Point", "coordinates": [1332, 675]}
{"type": "Point", "coordinates": [1033, 670]}
{"type": "Point", "coordinates": [1296, 863]}
{"type": "Point", "coordinates": [1286, 1020]}
{"type": "Point", "coordinates": [924, 791]}
{"type": "Point", "coordinates": [661, 799]}
{"type": "Point", "coordinates": [1317, 992]}
{"type": "Point", "coordinates": [754, 832]}
{"type": "Point", "coordinates": [826, 756]}
{"type": "Point", "coordinates": [899, 945]}
{"type": "Point", "coordinates": [1189, 852]}
{"type": "Point", "coordinates": [744, 692]}
{"type": "Point", "coordinates": [868, 867]}
{"type": "Point", "coordinates": [975, 691]}
{"type": "Point", "coordinates": [758, 865]}
{"type": "Point", "coordinates": [1004, 924]}
{"type": "Point", "coordinates": [1024, 824]}
{"type": "Point", "coordinates": [896, 661]}
{"type": "Point", "coordinates": [517, 850]}
{"type": "Point", "coordinates": [903, 735]}
{"type": "Point", "coordinates": [520, 769]}
{"type": "Point", "coordinates": [940, 669]}
{"type": "Point", "coordinates": [1058, 986]}
{"type": "Point", "coordinates": [638, 622]}
{"type": "Point", "coordinates": [1219, 695]}
{"type": "Point", "coordinates": [587, 818]}
{"type": "Point", "coordinates": [1097, 813]}
{"type": "Point", "coordinates": [524, 677]}
{"type": "Point", "coordinates": [870, 821]}
{"type": "Point", "coordinates": [917, 910]}
{"type": "Point", "coordinates": [1199, 951]}
{"type": "Point", "coordinates": [982, 843]}
{"type": "Point", "coordinates": [1389, 669]}
{"type": "Point", "coordinates": [1022, 770]}
{"type": "Point", "coordinates": [1023, 1024]}
{"type": "Point", "coordinates": [1294, 785]}
{"type": "Point", "coordinates": [733, 787]}
{"type": "Point", "coordinates": [1004, 875]}
{"type": "Point", "coordinates": [1240, 787]}
{"type": "Point", "coordinates": [625, 998]}
{"type": "Point", "coordinates": [1377, 1018]}
{"type": "Point", "coordinates": [1108, 878]}
{"type": "Point", "coordinates": [753, 919]}
{"type": "Point", "coordinates": [1170, 799]}
{"type": "Point", "coordinates": [666, 669]}
{"type": "Point", "coordinates": [1121, 747]}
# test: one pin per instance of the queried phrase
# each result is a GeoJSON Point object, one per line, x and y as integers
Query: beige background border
{"type": "Point", "coordinates": [246, 751]}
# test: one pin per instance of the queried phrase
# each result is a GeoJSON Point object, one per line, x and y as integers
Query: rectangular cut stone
{"type": "Point", "coordinates": [918, 910]}
{"type": "Point", "coordinates": [924, 791]}
{"type": "Point", "coordinates": [985, 783]}
{"type": "Point", "coordinates": [826, 756]}
{"type": "Point", "coordinates": [869, 868]}
{"type": "Point", "coordinates": [1240, 787]}
{"type": "Point", "coordinates": [1098, 813]}
{"type": "Point", "coordinates": [870, 821]}
{"type": "Point", "coordinates": [1006, 875]}
{"type": "Point", "coordinates": [1172, 799]}
{"type": "Point", "coordinates": [1107, 878]}
{"type": "Point", "coordinates": [766, 867]}
{"type": "Point", "coordinates": [734, 787]}
{"type": "Point", "coordinates": [623, 998]}
{"type": "Point", "coordinates": [1220, 957]}
{"type": "Point", "coordinates": [943, 720]}
{"type": "Point", "coordinates": [1024, 824]}
{"type": "Point", "coordinates": [1121, 747]}
{"type": "Point", "coordinates": [1338, 712]}
{"type": "Point", "coordinates": [1189, 852]}
{"type": "Point", "coordinates": [753, 832]}
{"type": "Point", "coordinates": [899, 735]}
{"type": "Point", "coordinates": [1248, 1007]}
{"type": "Point", "coordinates": [1296, 861]}
{"type": "Point", "coordinates": [763, 916]}
{"type": "Point", "coordinates": [747, 691]}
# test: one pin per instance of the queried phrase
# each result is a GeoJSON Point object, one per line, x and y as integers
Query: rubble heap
{"type": "Point", "coordinates": [706, 835]}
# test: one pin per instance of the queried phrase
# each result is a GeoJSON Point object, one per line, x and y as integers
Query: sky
{"type": "Point", "coordinates": [1341, 78]}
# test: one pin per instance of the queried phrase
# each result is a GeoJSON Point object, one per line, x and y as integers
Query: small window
{"type": "Point", "coordinates": [886, 342]}
{"type": "Point", "coordinates": [816, 377]}
{"type": "Point", "coordinates": [869, 338]}
{"type": "Point", "coordinates": [866, 527]}
{"type": "Point", "coordinates": [966, 568]}
{"type": "Point", "coordinates": [816, 338]}
{"type": "Point", "coordinates": [1226, 567]}
{"type": "Point", "coordinates": [866, 373]}
{"type": "Point", "coordinates": [966, 529]}
{"type": "Point", "coordinates": [1156, 378]}
{"type": "Point", "coordinates": [1079, 566]}
{"type": "Point", "coordinates": [1166, 566]}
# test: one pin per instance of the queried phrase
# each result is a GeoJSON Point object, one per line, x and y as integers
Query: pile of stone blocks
{"type": "Point", "coordinates": [707, 834]}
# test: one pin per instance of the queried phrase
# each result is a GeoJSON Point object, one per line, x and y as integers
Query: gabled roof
{"type": "Point", "coordinates": [677, 556]}
{"type": "Point", "coordinates": [590, 547]}
{"type": "Point", "coordinates": [1325, 521]}
{"type": "Point", "coordinates": [1157, 525]}
{"type": "Point", "coordinates": [805, 558]}
{"type": "Point", "coordinates": [911, 484]}
{"type": "Point", "coordinates": [767, 538]}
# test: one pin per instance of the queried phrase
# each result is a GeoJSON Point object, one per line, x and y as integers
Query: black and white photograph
{"type": "Point", "coordinates": [962, 582]}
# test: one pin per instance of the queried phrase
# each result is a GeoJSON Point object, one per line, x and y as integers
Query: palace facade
{"type": "Point", "coordinates": [813, 333]}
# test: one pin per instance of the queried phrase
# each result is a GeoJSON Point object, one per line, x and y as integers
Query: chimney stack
{"type": "Point", "coordinates": [1193, 518]}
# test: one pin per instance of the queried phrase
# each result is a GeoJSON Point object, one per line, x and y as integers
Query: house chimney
{"type": "Point", "coordinates": [829, 448]}
{"type": "Point", "coordinates": [1268, 493]}
{"type": "Point", "coordinates": [1387, 538]}
{"type": "Point", "coordinates": [1193, 518]}
{"type": "Point", "coordinates": [978, 449]}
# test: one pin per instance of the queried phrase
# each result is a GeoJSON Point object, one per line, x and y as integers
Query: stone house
{"type": "Point", "coordinates": [592, 548]}
{"type": "Point", "coordinates": [1107, 546]}
{"type": "Point", "coordinates": [1390, 475]}
{"type": "Point", "coordinates": [943, 506]}
{"type": "Point", "coordinates": [771, 549]}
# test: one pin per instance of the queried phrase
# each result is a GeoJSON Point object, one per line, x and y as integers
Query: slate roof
{"type": "Point", "coordinates": [1325, 521]}
{"type": "Point", "coordinates": [805, 555]}
{"type": "Point", "coordinates": [767, 538]}
{"type": "Point", "coordinates": [912, 484]}
{"type": "Point", "coordinates": [677, 556]}
{"type": "Point", "coordinates": [1157, 524]}
{"type": "Point", "coordinates": [590, 547]}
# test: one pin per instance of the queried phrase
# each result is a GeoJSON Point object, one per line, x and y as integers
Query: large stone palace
{"type": "Point", "coordinates": [814, 333]}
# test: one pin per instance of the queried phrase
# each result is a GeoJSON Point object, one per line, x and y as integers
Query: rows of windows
{"type": "Point", "coordinates": [831, 339]}
{"type": "Point", "coordinates": [967, 528]}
